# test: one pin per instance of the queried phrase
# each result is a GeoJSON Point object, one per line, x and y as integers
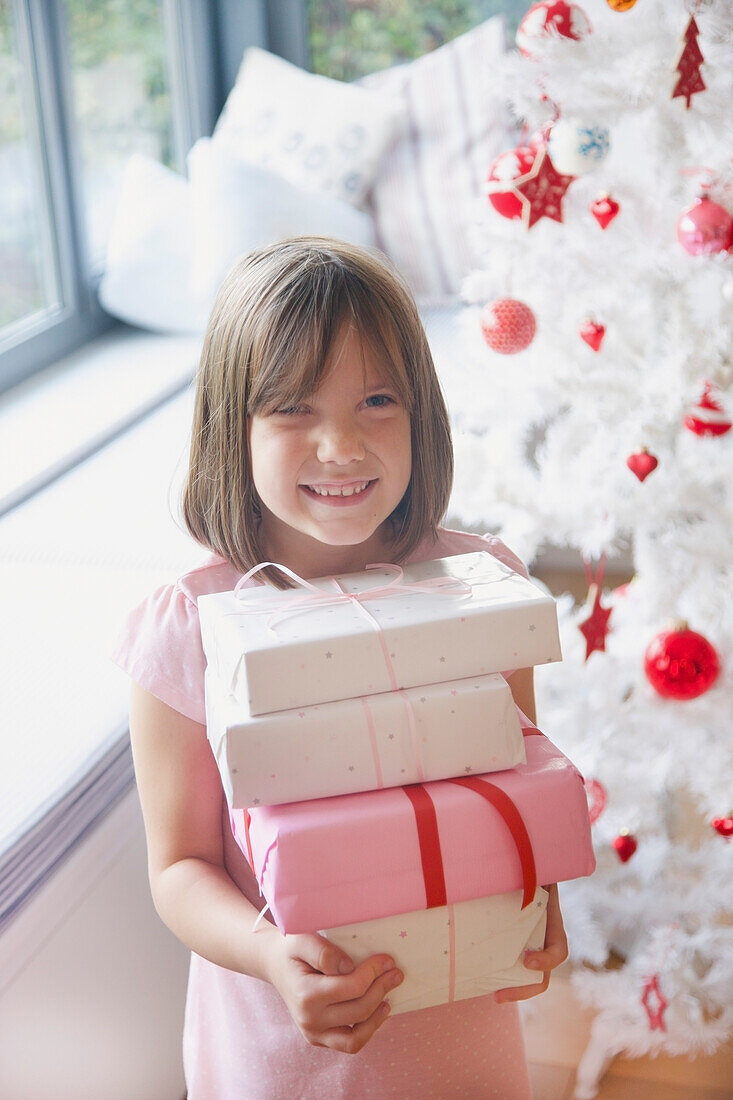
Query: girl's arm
{"type": "Point", "coordinates": [556, 945]}
{"type": "Point", "coordinates": [333, 1003]}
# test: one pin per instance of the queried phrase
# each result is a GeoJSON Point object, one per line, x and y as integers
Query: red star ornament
{"type": "Point", "coordinates": [595, 628]}
{"type": "Point", "coordinates": [654, 1004]}
{"type": "Point", "coordinates": [541, 190]}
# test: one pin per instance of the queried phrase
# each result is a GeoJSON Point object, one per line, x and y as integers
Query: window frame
{"type": "Point", "coordinates": [30, 345]}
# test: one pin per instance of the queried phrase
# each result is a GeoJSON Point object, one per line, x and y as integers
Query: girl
{"type": "Point", "coordinates": [320, 441]}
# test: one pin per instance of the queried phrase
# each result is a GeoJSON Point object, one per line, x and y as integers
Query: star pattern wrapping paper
{"type": "Point", "coordinates": [321, 653]}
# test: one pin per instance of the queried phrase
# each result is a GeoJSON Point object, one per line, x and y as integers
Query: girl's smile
{"type": "Point", "coordinates": [330, 471]}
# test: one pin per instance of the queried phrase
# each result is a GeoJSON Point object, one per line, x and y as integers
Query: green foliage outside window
{"type": "Point", "coordinates": [350, 38]}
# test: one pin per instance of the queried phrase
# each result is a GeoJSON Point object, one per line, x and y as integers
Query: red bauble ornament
{"type": "Point", "coordinates": [508, 326]}
{"type": "Point", "coordinates": [593, 334]}
{"type": "Point", "coordinates": [690, 80]}
{"type": "Point", "coordinates": [681, 664]}
{"type": "Point", "coordinates": [708, 417]}
{"type": "Point", "coordinates": [625, 844]}
{"type": "Point", "coordinates": [507, 168]}
{"type": "Point", "coordinates": [642, 463]}
{"type": "Point", "coordinates": [550, 18]}
{"type": "Point", "coordinates": [597, 798]}
{"type": "Point", "coordinates": [705, 228]}
{"type": "Point", "coordinates": [723, 825]}
{"type": "Point", "coordinates": [604, 210]}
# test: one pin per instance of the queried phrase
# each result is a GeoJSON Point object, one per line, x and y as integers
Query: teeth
{"type": "Point", "coordinates": [346, 491]}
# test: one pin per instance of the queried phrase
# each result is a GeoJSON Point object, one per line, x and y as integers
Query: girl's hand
{"type": "Point", "coordinates": [554, 953]}
{"type": "Point", "coordinates": [333, 1003]}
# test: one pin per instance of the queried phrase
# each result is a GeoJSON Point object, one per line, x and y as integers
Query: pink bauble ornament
{"type": "Point", "coordinates": [548, 19]}
{"type": "Point", "coordinates": [705, 228]}
{"type": "Point", "coordinates": [508, 326]}
{"type": "Point", "coordinates": [504, 171]}
{"type": "Point", "coordinates": [680, 663]}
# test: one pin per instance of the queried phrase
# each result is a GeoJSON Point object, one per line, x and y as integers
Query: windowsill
{"type": "Point", "coordinates": [64, 412]}
{"type": "Point", "coordinates": [97, 536]}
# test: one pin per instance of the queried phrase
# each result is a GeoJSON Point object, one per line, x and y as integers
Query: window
{"type": "Point", "coordinates": [83, 84]}
{"type": "Point", "coordinates": [350, 38]}
{"type": "Point", "coordinates": [29, 284]}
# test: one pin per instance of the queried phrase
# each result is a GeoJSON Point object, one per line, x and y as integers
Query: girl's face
{"type": "Point", "coordinates": [329, 472]}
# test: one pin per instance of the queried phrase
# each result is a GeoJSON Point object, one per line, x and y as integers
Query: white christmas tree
{"type": "Point", "coordinates": [542, 443]}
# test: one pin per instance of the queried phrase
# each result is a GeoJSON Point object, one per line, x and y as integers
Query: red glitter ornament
{"type": "Point", "coordinates": [542, 189]}
{"type": "Point", "coordinates": [681, 664]}
{"type": "Point", "coordinates": [593, 334]}
{"type": "Point", "coordinates": [708, 417]}
{"type": "Point", "coordinates": [604, 210]}
{"type": "Point", "coordinates": [508, 325]}
{"type": "Point", "coordinates": [690, 81]}
{"type": "Point", "coordinates": [625, 844]}
{"type": "Point", "coordinates": [642, 463]}
{"type": "Point", "coordinates": [723, 825]}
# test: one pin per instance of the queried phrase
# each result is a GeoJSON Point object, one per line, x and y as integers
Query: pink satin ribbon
{"type": "Point", "coordinates": [414, 740]}
{"type": "Point", "coordinates": [316, 597]}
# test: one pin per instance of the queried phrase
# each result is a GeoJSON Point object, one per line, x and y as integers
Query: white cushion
{"type": "Point", "coordinates": [237, 207]}
{"type": "Point", "coordinates": [146, 281]}
{"type": "Point", "coordinates": [429, 191]}
{"type": "Point", "coordinates": [320, 134]}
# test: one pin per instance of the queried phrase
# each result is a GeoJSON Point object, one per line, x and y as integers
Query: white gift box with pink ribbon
{"type": "Point", "coordinates": [382, 630]}
{"type": "Point", "coordinates": [455, 951]}
{"type": "Point", "coordinates": [429, 732]}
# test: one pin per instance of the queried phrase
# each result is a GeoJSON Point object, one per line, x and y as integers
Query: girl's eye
{"type": "Point", "coordinates": [379, 401]}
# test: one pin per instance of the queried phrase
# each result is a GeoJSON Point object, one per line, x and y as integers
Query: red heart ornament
{"type": "Point", "coordinates": [604, 210]}
{"type": "Point", "coordinates": [625, 845]}
{"type": "Point", "coordinates": [593, 334]}
{"type": "Point", "coordinates": [642, 463]}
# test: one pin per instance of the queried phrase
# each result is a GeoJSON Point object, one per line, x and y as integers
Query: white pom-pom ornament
{"type": "Point", "coordinates": [550, 19]}
{"type": "Point", "coordinates": [576, 146]}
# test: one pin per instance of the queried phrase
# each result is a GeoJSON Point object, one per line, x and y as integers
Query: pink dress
{"type": "Point", "coordinates": [239, 1040]}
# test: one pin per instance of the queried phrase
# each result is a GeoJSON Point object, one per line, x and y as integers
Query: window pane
{"type": "Point", "coordinates": [350, 38]}
{"type": "Point", "coordinates": [28, 282]}
{"type": "Point", "coordinates": [121, 80]}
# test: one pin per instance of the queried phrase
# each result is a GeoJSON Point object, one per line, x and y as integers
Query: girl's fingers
{"type": "Point", "coordinates": [350, 1040]}
{"type": "Point", "coordinates": [354, 1012]}
{"type": "Point", "coordinates": [521, 992]}
{"type": "Point", "coordinates": [321, 955]}
{"type": "Point", "coordinates": [555, 950]}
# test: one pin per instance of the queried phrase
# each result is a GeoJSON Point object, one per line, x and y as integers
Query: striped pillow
{"type": "Point", "coordinates": [429, 188]}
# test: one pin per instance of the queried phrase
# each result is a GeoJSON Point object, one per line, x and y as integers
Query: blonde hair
{"type": "Point", "coordinates": [266, 346]}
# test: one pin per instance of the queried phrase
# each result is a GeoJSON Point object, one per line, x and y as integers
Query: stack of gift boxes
{"type": "Point", "coordinates": [383, 785]}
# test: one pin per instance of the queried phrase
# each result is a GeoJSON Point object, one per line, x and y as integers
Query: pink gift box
{"type": "Point", "coordinates": [335, 861]}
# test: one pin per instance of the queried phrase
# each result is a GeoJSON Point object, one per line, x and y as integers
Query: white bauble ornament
{"type": "Point", "coordinates": [576, 146]}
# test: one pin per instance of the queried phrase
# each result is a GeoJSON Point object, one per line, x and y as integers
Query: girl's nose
{"type": "Point", "coordinates": [340, 443]}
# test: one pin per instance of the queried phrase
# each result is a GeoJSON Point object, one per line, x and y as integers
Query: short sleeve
{"type": "Point", "coordinates": [160, 649]}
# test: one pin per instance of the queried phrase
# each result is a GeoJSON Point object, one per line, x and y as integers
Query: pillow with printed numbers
{"type": "Point", "coordinates": [319, 134]}
{"type": "Point", "coordinates": [429, 191]}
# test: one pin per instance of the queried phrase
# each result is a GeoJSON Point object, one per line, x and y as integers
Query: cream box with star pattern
{"type": "Point", "coordinates": [460, 727]}
{"type": "Point", "coordinates": [381, 630]}
{"type": "Point", "coordinates": [453, 952]}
